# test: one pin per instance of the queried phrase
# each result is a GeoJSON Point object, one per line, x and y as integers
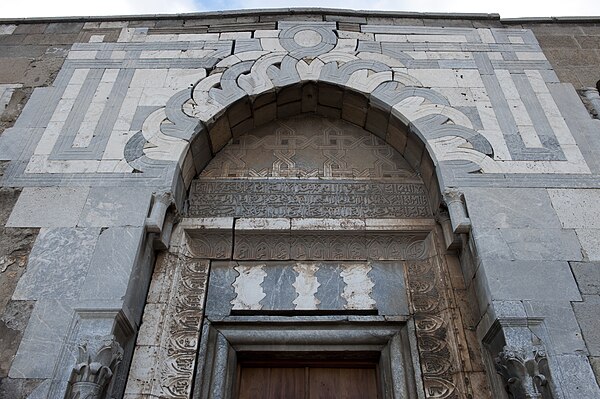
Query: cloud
{"type": "Point", "coordinates": [506, 8]}
{"type": "Point", "coordinates": [45, 8]}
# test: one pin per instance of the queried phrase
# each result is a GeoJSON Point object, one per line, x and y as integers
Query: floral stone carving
{"type": "Point", "coordinates": [523, 372]}
{"type": "Point", "coordinates": [95, 368]}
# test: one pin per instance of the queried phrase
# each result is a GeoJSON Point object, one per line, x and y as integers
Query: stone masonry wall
{"type": "Point", "coordinates": [561, 241]}
{"type": "Point", "coordinates": [573, 49]}
{"type": "Point", "coordinates": [30, 56]}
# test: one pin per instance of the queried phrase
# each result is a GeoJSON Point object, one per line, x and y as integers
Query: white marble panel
{"type": "Point", "coordinates": [306, 286]}
{"type": "Point", "coordinates": [358, 286]}
{"type": "Point", "coordinates": [248, 287]}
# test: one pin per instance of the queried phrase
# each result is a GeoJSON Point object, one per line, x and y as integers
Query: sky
{"type": "Point", "coordinates": [506, 8]}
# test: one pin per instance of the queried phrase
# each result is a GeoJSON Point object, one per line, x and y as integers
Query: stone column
{"type": "Point", "coordinates": [593, 96]}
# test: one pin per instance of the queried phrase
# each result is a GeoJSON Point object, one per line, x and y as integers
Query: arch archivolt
{"type": "Point", "coordinates": [282, 83]}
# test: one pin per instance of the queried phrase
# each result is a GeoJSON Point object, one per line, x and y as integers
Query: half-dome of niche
{"type": "Point", "coordinates": [309, 147]}
{"type": "Point", "coordinates": [310, 167]}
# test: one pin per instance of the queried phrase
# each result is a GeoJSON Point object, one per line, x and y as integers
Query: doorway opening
{"type": "Point", "coordinates": [301, 375]}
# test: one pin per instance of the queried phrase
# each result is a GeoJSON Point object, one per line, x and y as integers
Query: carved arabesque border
{"type": "Point", "coordinates": [429, 302]}
{"type": "Point", "coordinates": [167, 345]}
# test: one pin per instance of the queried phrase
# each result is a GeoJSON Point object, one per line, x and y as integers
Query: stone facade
{"type": "Point", "coordinates": [173, 186]}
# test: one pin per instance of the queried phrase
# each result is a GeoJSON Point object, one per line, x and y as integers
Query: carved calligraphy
{"type": "Point", "coordinates": [307, 199]}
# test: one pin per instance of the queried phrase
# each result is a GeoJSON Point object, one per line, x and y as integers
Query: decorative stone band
{"type": "Point", "coordinates": [308, 199]}
{"type": "Point", "coordinates": [307, 238]}
{"type": "Point", "coordinates": [250, 287]}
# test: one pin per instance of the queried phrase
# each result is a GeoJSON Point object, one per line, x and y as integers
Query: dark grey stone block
{"type": "Point", "coordinates": [389, 291]}
{"type": "Point", "coordinates": [588, 316]}
{"type": "Point", "coordinates": [112, 263]}
{"type": "Point", "coordinates": [58, 264]}
{"type": "Point", "coordinates": [530, 280]}
{"type": "Point", "coordinates": [220, 289]}
{"type": "Point", "coordinates": [278, 288]}
{"type": "Point", "coordinates": [331, 287]}
{"type": "Point", "coordinates": [587, 275]}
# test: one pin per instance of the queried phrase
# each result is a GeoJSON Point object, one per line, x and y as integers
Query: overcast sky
{"type": "Point", "coordinates": [506, 8]}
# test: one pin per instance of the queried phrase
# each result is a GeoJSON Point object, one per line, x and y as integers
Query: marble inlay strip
{"type": "Point", "coordinates": [536, 113]}
{"type": "Point", "coordinates": [306, 286]}
{"type": "Point", "coordinates": [359, 286]}
{"type": "Point", "coordinates": [248, 287]}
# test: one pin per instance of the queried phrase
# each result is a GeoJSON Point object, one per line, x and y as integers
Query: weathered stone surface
{"type": "Point", "coordinates": [164, 361]}
{"type": "Point", "coordinates": [587, 275]}
{"type": "Point", "coordinates": [546, 244]}
{"type": "Point", "coordinates": [32, 207]}
{"type": "Point", "coordinates": [17, 388]}
{"type": "Point", "coordinates": [15, 246]}
{"type": "Point", "coordinates": [560, 324]}
{"type": "Point", "coordinates": [13, 321]}
{"type": "Point", "coordinates": [576, 376]}
{"type": "Point", "coordinates": [48, 325]}
{"type": "Point", "coordinates": [595, 362]}
{"type": "Point", "coordinates": [490, 244]}
{"type": "Point", "coordinates": [118, 206]}
{"type": "Point", "coordinates": [510, 208]}
{"type": "Point", "coordinates": [53, 272]}
{"type": "Point", "coordinates": [577, 208]}
{"type": "Point", "coordinates": [112, 263]}
{"type": "Point", "coordinates": [587, 313]}
{"type": "Point", "coordinates": [533, 280]}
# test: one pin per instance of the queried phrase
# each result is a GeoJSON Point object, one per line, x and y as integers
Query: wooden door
{"type": "Point", "coordinates": [307, 382]}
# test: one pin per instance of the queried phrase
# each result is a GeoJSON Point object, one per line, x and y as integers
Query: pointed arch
{"type": "Point", "coordinates": [367, 89]}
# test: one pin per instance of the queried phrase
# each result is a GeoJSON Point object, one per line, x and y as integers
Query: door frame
{"type": "Point", "coordinates": [221, 340]}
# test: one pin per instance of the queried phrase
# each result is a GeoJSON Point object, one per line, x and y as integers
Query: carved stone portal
{"type": "Point", "coordinates": [307, 217]}
{"type": "Point", "coordinates": [98, 360]}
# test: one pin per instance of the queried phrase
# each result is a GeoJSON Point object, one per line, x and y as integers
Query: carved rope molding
{"type": "Point", "coordinates": [448, 132]}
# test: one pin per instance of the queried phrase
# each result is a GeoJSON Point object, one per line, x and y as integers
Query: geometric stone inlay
{"type": "Point", "coordinates": [289, 286]}
{"type": "Point", "coordinates": [313, 148]}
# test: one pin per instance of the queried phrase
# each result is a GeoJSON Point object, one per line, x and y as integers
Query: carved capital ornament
{"type": "Point", "coordinates": [98, 360]}
{"type": "Point", "coordinates": [521, 368]}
